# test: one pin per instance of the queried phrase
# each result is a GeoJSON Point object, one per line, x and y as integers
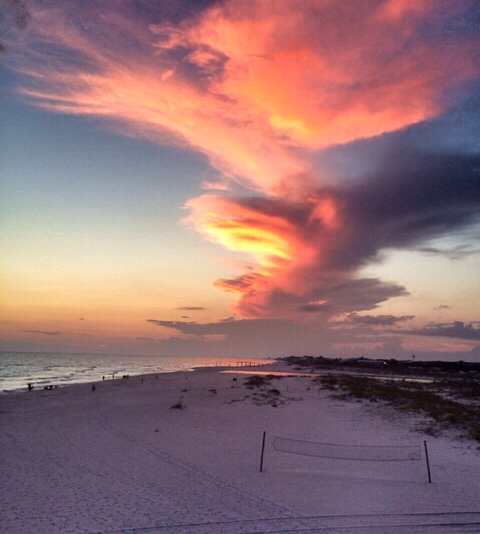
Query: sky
{"type": "Point", "coordinates": [254, 178]}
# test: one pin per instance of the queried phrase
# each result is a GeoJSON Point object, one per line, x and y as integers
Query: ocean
{"type": "Point", "coordinates": [17, 369]}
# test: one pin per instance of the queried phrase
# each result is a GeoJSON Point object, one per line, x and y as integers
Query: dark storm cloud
{"type": "Point", "coordinates": [377, 320]}
{"type": "Point", "coordinates": [234, 329]}
{"type": "Point", "coordinates": [245, 337]}
{"type": "Point", "coordinates": [313, 308]}
{"type": "Point", "coordinates": [363, 294]}
{"type": "Point", "coordinates": [414, 197]}
{"type": "Point", "coordinates": [457, 329]}
{"type": "Point", "coordinates": [197, 329]}
{"type": "Point", "coordinates": [411, 198]}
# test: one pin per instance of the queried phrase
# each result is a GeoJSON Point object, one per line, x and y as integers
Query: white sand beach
{"type": "Point", "coordinates": [121, 459]}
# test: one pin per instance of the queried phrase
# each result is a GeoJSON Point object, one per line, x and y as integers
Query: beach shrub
{"type": "Point", "coordinates": [414, 397]}
{"type": "Point", "coordinates": [328, 382]}
{"type": "Point", "coordinates": [467, 388]}
{"type": "Point", "coordinates": [256, 381]}
{"type": "Point", "coordinates": [178, 405]}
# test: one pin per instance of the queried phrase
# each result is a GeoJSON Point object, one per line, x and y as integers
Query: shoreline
{"type": "Point", "coordinates": [58, 384]}
{"type": "Point", "coordinates": [422, 394]}
{"type": "Point", "coordinates": [132, 378]}
{"type": "Point", "coordinates": [389, 369]}
{"type": "Point", "coordinates": [181, 452]}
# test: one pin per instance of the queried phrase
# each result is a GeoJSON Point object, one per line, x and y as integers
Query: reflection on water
{"type": "Point", "coordinates": [17, 369]}
{"type": "Point", "coordinates": [255, 371]}
{"type": "Point", "coordinates": [42, 369]}
{"type": "Point", "coordinates": [384, 378]}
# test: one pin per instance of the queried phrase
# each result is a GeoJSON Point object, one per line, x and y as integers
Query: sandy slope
{"type": "Point", "coordinates": [121, 460]}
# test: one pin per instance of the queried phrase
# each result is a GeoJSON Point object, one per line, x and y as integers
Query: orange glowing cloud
{"type": "Point", "coordinates": [273, 233]}
{"type": "Point", "coordinates": [283, 240]}
{"type": "Point", "coordinates": [249, 85]}
{"type": "Point", "coordinates": [329, 72]}
{"type": "Point", "coordinates": [258, 87]}
{"type": "Point", "coordinates": [265, 237]}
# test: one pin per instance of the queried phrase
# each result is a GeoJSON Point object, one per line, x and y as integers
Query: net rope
{"type": "Point", "coordinates": [373, 453]}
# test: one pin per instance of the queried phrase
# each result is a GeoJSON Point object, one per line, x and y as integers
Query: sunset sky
{"type": "Point", "coordinates": [242, 178]}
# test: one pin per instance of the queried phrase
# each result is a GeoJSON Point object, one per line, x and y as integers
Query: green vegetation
{"type": "Point", "coordinates": [431, 400]}
{"type": "Point", "coordinates": [468, 389]}
{"type": "Point", "coordinates": [257, 381]}
{"type": "Point", "coordinates": [271, 396]}
{"type": "Point", "coordinates": [437, 369]}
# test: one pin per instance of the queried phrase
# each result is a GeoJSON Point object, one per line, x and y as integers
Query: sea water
{"type": "Point", "coordinates": [17, 369]}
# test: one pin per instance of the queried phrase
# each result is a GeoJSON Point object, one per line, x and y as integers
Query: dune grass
{"type": "Point", "coordinates": [428, 399]}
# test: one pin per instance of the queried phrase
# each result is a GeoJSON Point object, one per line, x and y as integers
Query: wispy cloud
{"type": "Point", "coordinates": [262, 93]}
{"type": "Point", "coordinates": [377, 320]}
{"type": "Point", "coordinates": [458, 252]}
{"type": "Point", "coordinates": [457, 329]}
{"type": "Point", "coordinates": [44, 332]}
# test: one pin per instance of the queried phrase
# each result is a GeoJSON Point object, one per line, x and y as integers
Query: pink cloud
{"type": "Point", "coordinates": [258, 87]}
{"type": "Point", "coordinates": [330, 72]}
{"type": "Point", "coordinates": [266, 80]}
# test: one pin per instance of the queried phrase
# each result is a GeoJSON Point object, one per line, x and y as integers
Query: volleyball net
{"type": "Point", "coordinates": [372, 453]}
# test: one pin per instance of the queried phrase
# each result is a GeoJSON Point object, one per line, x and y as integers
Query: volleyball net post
{"type": "Point", "coordinates": [427, 461]}
{"type": "Point", "coordinates": [263, 452]}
